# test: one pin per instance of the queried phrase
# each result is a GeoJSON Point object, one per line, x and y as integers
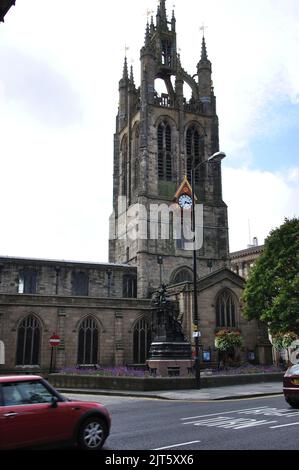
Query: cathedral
{"type": "Point", "coordinates": [102, 312]}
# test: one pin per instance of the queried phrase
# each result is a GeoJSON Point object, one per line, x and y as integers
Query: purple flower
{"type": "Point", "coordinates": [120, 371]}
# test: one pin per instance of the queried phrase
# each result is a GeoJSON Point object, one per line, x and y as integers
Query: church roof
{"type": "Point", "coordinates": [248, 251]}
{"type": "Point", "coordinates": [213, 278]}
{"type": "Point", "coordinates": [220, 274]}
{"type": "Point", "coordinates": [43, 261]}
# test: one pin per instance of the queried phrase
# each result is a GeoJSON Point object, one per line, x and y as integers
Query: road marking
{"type": "Point", "coordinates": [218, 420]}
{"type": "Point", "coordinates": [177, 445]}
{"type": "Point", "coordinates": [283, 413]}
{"type": "Point", "coordinates": [284, 425]}
{"type": "Point", "coordinates": [227, 422]}
{"type": "Point", "coordinates": [224, 413]}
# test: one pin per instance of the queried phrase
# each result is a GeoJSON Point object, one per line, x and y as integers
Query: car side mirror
{"type": "Point", "coordinates": [54, 402]}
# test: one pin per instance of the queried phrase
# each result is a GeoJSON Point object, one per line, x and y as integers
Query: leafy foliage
{"type": "Point", "coordinates": [283, 340]}
{"type": "Point", "coordinates": [226, 340]}
{"type": "Point", "coordinates": [272, 290]}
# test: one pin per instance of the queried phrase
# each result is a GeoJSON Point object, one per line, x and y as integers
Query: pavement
{"type": "Point", "coordinates": [216, 393]}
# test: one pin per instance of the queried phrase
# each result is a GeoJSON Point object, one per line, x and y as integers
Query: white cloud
{"type": "Point", "coordinates": [56, 186]}
{"type": "Point", "coordinates": [293, 175]}
{"type": "Point", "coordinates": [258, 199]}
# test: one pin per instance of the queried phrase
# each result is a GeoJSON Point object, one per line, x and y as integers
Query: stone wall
{"type": "Point", "coordinates": [209, 288]}
{"type": "Point", "coordinates": [55, 277]}
{"type": "Point", "coordinates": [242, 261]}
{"type": "Point", "coordinates": [67, 382]}
{"type": "Point", "coordinates": [115, 319]}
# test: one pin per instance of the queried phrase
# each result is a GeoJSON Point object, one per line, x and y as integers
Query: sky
{"type": "Point", "coordinates": [60, 63]}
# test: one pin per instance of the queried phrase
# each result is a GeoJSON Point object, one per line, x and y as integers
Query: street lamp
{"type": "Point", "coordinates": [218, 156]}
{"type": "Point", "coordinates": [160, 263]}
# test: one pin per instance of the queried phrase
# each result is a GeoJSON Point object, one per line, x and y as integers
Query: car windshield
{"type": "Point", "coordinates": [294, 370]}
{"type": "Point", "coordinates": [24, 393]}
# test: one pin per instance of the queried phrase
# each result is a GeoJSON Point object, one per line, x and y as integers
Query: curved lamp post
{"type": "Point", "coordinates": [217, 157]}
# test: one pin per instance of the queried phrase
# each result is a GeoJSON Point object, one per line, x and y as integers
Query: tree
{"type": "Point", "coordinates": [284, 341]}
{"type": "Point", "coordinates": [272, 291]}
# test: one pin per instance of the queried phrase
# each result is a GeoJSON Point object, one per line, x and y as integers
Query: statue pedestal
{"type": "Point", "coordinates": [170, 367]}
{"type": "Point", "coordinates": [170, 359]}
{"type": "Point", "coordinates": [170, 354]}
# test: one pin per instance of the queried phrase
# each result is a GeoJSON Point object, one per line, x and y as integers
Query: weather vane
{"type": "Point", "coordinates": [126, 50]}
{"type": "Point", "coordinates": [203, 28]}
{"type": "Point", "coordinates": [149, 13]}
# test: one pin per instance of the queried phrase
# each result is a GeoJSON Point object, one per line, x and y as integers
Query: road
{"type": "Point", "coordinates": [266, 423]}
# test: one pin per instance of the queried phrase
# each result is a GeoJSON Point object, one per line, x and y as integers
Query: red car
{"type": "Point", "coordinates": [291, 386]}
{"type": "Point", "coordinates": [33, 413]}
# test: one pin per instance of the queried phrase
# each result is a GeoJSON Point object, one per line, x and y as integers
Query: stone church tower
{"type": "Point", "coordinates": [94, 307]}
{"type": "Point", "coordinates": [158, 138]}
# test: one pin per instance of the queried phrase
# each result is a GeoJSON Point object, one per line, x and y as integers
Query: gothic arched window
{"type": "Point", "coordinates": [124, 166]}
{"type": "Point", "coordinates": [27, 281]}
{"type": "Point", "coordinates": [141, 341]}
{"type": "Point", "coordinates": [225, 310]}
{"type": "Point", "coordinates": [136, 168]}
{"type": "Point", "coordinates": [183, 275]}
{"type": "Point", "coordinates": [137, 173]}
{"type": "Point", "coordinates": [130, 286]}
{"type": "Point", "coordinates": [194, 151]}
{"type": "Point", "coordinates": [28, 342]}
{"type": "Point", "coordinates": [88, 342]}
{"type": "Point", "coordinates": [80, 283]}
{"type": "Point", "coordinates": [166, 47]}
{"type": "Point", "coordinates": [164, 152]}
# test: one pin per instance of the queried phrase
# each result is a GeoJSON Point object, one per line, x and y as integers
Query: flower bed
{"type": "Point", "coordinates": [67, 382]}
{"type": "Point", "coordinates": [127, 378]}
{"type": "Point", "coordinates": [105, 371]}
{"type": "Point", "coordinates": [248, 369]}
{"type": "Point", "coordinates": [139, 373]}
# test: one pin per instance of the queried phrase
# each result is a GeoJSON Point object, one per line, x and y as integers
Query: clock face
{"type": "Point", "coordinates": [185, 201]}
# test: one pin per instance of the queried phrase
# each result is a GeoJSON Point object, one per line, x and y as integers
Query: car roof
{"type": "Point", "coordinates": [18, 378]}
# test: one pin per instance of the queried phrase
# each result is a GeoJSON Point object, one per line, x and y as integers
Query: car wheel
{"type": "Point", "coordinates": [92, 434]}
{"type": "Point", "coordinates": [293, 404]}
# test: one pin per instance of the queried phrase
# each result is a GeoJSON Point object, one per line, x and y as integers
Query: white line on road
{"type": "Point", "coordinates": [284, 425]}
{"type": "Point", "coordinates": [225, 412]}
{"type": "Point", "coordinates": [177, 445]}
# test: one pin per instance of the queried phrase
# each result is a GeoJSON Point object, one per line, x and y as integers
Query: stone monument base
{"type": "Point", "coordinates": [170, 367]}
